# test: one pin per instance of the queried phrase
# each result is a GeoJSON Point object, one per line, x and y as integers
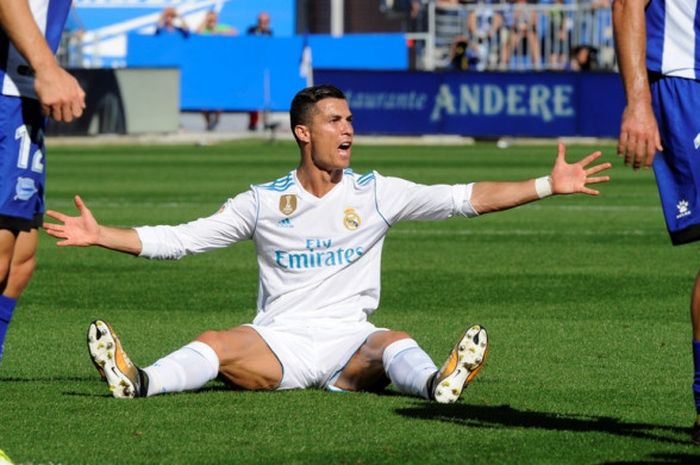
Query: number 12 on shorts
{"type": "Point", "coordinates": [23, 134]}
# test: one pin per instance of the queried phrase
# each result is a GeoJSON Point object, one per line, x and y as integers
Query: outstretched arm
{"type": "Point", "coordinates": [59, 93]}
{"type": "Point", "coordinates": [85, 231]}
{"type": "Point", "coordinates": [639, 133]}
{"type": "Point", "coordinates": [566, 178]}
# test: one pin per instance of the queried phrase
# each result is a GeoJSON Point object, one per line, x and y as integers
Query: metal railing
{"type": "Point", "coordinates": [516, 36]}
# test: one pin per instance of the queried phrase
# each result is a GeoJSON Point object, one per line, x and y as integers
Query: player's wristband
{"type": "Point", "coordinates": [543, 186]}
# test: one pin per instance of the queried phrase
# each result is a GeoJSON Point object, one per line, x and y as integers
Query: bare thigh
{"type": "Point", "coordinates": [245, 360]}
{"type": "Point", "coordinates": [7, 248]}
{"type": "Point", "coordinates": [365, 370]}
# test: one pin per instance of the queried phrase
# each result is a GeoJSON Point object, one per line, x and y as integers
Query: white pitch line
{"type": "Point", "coordinates": [523, 232]}
{"type": "Point", "coordinates": [613, 208]}
{"type": "Point", "coordinates": [133, 204]}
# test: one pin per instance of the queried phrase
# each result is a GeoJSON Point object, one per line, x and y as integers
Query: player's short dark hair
{"type": "Point", "coordinates": [305, 99]}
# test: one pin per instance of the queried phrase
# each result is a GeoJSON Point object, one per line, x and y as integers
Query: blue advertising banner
{"type": "Point", "coordinates": [482, 104]}
{"type": "Point", "coordinates": [257, 72]}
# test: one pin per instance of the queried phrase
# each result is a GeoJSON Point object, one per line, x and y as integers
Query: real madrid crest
{"type": "Point", "coordinates": [288, 204]}
{"type": "Point", "coordinates": [351, 220]}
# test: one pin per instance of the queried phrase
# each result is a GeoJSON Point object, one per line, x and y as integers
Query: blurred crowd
{"type": "Point", "coordinates": [524, 34]}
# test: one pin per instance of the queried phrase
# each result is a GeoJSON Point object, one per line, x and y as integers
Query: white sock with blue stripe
{"type": "Point", "coordinates": [408, 367]}
{"type": "Point", "coordinates": [186, 369]}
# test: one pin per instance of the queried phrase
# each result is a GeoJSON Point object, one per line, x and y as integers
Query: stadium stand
{"type": "Point", "coordinates": [510, 35]}
{"type": "Point", "coordinates": [558, 28]}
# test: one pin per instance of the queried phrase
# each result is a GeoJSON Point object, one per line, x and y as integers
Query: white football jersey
{"type": "Point", "coordinates": [318, 258]}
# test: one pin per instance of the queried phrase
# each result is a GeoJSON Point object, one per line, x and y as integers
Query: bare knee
{"type": "Point", "coordinates": [380, 340]}
{"type": "Point", "coordinates": [210, 338]}
{"type": "Point", "coordinates": [245, 360]}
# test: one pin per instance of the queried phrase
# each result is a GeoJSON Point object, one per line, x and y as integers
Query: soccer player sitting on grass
{"type": "Point", "coordinates": [319, 232]}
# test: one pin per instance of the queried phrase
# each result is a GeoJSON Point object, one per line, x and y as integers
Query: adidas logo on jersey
{"type": "Point", "coordinates": [285, 223]}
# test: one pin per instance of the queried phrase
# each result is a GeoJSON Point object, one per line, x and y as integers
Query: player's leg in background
{"type": "Point", "coordinates": [23, 263]}
{"type": "Point", "coordinates": [18, 259]}
{"type": "Point", "coordinates": [253, 117]}
{"type": "Point", "coordinates": [7, 304]}
{"type": "Point", "coordinates": [695, 318]}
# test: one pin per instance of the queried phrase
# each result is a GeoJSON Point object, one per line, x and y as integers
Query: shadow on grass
{"type": "Point", "coordinates": [509, 417]}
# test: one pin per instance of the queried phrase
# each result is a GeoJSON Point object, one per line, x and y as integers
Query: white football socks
{"type": "Point", "coordinates": [186, 369]}
{"type": "Point", "coordinates": [408, 367]}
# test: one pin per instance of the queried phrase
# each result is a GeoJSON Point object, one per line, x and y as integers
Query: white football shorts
{"type": "Point", "coordinates": [312, 354]}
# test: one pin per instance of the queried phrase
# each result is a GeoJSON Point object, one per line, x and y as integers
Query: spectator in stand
{"type": "Point", "coordinates": [172, 23]}
{"type": "Point", "coordinates": [211, 26]}
{"type": "Point", "coordinates": [603, 25]}
{"type": "Point", "coordinates": [484, 24]}
{"type": "Point", "coordinates": [558, 36]}
{"type": "Point", "coordinates": [416, 15]}
{"type": "Point", "coordinates": [521, 20]}
{"type": "Point", "coordinates": [261, 28]}
{"type": "Point", "coordinates": [583, 58]}
{"type": "Point", "coordinates": [464, 55]}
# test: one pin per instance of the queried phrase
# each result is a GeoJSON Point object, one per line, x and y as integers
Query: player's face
{"type": "Point", "coordinates": [330, 134]}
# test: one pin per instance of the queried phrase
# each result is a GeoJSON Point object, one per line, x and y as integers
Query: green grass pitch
{"type": "Point", "coordinates": [585, 300]}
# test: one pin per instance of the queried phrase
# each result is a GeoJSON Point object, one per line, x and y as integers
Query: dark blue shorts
{"type": "Point", "coordinates": [677, 168]}
{"type": "Point", "coordinates": [22, 171]}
